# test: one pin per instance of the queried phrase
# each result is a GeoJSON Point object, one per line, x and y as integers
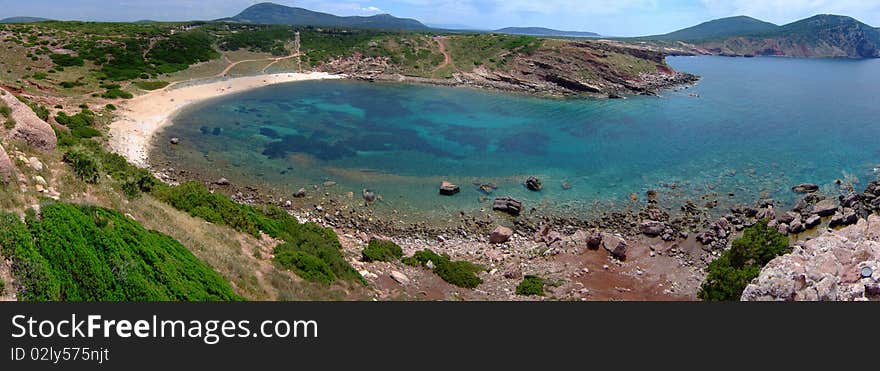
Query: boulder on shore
{"type": "Point", "coordinates": [508, 205]}
{"type": "Point", "coordinates": [615, 246]}
{"type": "Point", "coordinates": [301, 193]}
{"type": "Point", "coordinates": [652, 228]}
{"type": "Point", "coordinates": [826, 207]}
{"type": "Point", "coordinates": [449, 189]}
{"type": "Point", "coordinates": [500, 235]}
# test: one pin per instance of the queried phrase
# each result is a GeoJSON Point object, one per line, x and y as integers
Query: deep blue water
{"type": "Point", "coordinates": [756, 127]}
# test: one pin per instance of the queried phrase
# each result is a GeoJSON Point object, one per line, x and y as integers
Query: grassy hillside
{"type": "Point", "coordinates": [80, 253]}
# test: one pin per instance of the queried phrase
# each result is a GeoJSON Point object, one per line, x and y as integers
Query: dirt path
{"type": "Point", "coordinates": [447, 59]}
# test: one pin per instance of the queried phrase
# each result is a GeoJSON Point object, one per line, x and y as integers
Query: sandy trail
{"type": "Point", "coordinates": [139, 119]}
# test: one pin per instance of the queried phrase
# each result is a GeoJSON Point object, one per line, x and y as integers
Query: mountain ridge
{"type": "Point", "coordinates": [271, 13]}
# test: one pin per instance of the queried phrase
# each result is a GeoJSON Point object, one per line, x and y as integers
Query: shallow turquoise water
{"type": "Point", "coordinates": [757, 127]}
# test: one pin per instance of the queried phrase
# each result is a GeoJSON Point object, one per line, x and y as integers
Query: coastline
{"type": "Point", "coordinates": [141, 118]}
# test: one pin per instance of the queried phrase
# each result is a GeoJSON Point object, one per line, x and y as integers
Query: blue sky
{"type": "Point", "coordinates": [608, 17]}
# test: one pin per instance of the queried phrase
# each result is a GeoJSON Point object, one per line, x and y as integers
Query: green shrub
{"type": "Point", "coordinates": [299, 239]}
{"type": "Point", "coordinates": [151, 85]}
{"type": "Point", "coordinates": [80, 253]}
{"type": "Point", "coordinates": [110, 107]}
{"type": "Point", "coordinates": [9, 124]}
{"type": "Point", "coordinates": [117, 93]}
{"type": "Point", "coordinates": [458, 273]}
{"type": "Point", "coordinates": [41, 111]}
{"type": "Point", "coordinates": [80, 125]}
{"type": "Point", "coordinates": [531, 286]}
{"type": "Point", "coordinates": [382, 250]}
{"type": "Point", "coordinates": [5, 110]}
{"type": "Point", "coordinates": [84, 165]}
{"type": "Point", "coordinates": [729, 275]}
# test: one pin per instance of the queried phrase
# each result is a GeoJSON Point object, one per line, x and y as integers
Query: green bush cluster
{"type": "Point", "coordinates": [84, 165]}
{"type": "Point", "coordinates": [458, 273]}
{"type": "Point", "coordinates": [41, 111]}
{"type": "Point", "coordinates": [729, 275]}
{"type": "Point", "coordinates": [151, 85]}
{"type": "Point", "coordinates": [531, 286]}
{"type": "Point", "coordinates": [382, 250]}
{"type": "Point", "coordinates": [117, 94]}
{"type": "Point", "coordinates": [81, 125]}
{"type": "Point", "coordinates": [81, 253]}
{"type": "Point", "coordinates": [305, 245]}
{"type": "Point", "coordinates": [265, 39]}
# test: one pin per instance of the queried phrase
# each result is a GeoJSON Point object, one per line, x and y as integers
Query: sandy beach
{"type": "Point", "coordinates": [140, 118]}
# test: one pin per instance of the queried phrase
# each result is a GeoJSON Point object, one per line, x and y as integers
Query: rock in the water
{"type": "Point", "coordinates": [29, 127]}
{"type": "Point", "coordinates": [615, 246]}
{"type": "Point", "coordinates": [825, 207]}
{"type": "Point", "coordinates": [222, 182]}
{"type": "Point", "coordinates": [566, 185]}
{"type": "Point", "coordinates": [488, 188]}
{"type": "Point", "coordinates": [796, 226]}
{"type": "Point", "coordinates": [368, 195]}
{"type": "Point", "coordinates": [501, 234]}
{"type": "Point", "coordinates": [399, 277]}
{"type": "Point", "coordinates": [534, 184]}
{"type": "Point", "coordinates": [175, 140]}
{"type": "Point", "coordinates": [301, 193]}
{"type": "Point", "coordinates": [329, 184]}
{"type": "Point", "coordinates": [805, 188]}
{"type": "Point", "coordinates": [788, 218]}
{"type": "Point", "coordinates": [850, 200]}
{"type": "Point", "coordinates": [508, 205]}
{"type": "Point", "coordinates": [652, 228]}
{"type": "Point", "coordinates": [449, 189]}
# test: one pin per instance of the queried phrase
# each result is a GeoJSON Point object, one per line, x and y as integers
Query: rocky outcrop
{"type": "Point", "coordinates": [534, 184]}
{"type": "Point", "coordinates": [7, 169]}
{"type": "Point", "coordinates": [28, 128]}
{"type": "Point", "coordinates": [842, 265]}
{"type": "Point", "coordinates": [449, 189]}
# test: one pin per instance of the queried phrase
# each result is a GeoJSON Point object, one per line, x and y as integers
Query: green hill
{"type": "Point", "coordinates": [818, 36]}
{"type": "Point", "coordinates": [23, 20]}
{"type": "Point", "coordinates": [269, 13]}
{"type": "Point", "coordinates": [720, 28]}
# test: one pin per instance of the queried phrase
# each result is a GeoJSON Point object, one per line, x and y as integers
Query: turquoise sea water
{"type": "Point", "coordinates": [750, 128]}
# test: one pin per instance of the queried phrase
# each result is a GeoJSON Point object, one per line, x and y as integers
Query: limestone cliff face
{"type": "Point", "coordinates": [29, 127]}
{"type": "Point", "coordinates": [842, 265]}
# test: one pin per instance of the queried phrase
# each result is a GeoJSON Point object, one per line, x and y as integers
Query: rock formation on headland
{"type": "Point", "coordinates": [842, 265]}
{"type": "Point", "coordinates": [29, 127]}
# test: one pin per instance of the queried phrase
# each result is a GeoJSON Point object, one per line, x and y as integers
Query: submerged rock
{"type": "Point", "coordinates": [222, 182]}
{"type": "Point", "coordinates": [368, 195]}
{"type": "Point", "coordinates": [301, 193]}
{"type": "Point", "coordinates": [805, 188]}
{"type": "Point", "coordinates": [449, 189]}
{"type": "Point", "coordinates": [175, 140]}
{"type": "Point", "coordinates": [534, 184]}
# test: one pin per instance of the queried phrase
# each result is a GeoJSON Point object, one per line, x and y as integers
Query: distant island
{"type": "Point", "coordinates": [541, 31]}
{"type": "Point", "coordinates": [23, 20]}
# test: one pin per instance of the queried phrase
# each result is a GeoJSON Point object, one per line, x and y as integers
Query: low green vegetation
{"type": "Point", "coordinates": [311, 251]}
{"type": "Point", "coordinates": [83, 164]}
{"type": "Point", "coordinates": [81, 125]}
{"type": "Point", "coordinates": [459, 273]}
{"type": "Point", "coordinates": [264, 39]}
{"type": "Point", "coordinates": [490, 50]}
{"type": "Point", "coordinates": [151, 85]}
{"type": "Point", "coordinates": [729, 275]}
{"type": "Point", "coordinates": [117, 93]}
{"type": "Point", "coordinates": [382, 250]}
{"type": "Point", "coordinates": [82, 253]}
{"type": "Point", "coordinates": [41, 111]}
{"type": "Point", "coordinates": [531, 286]}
